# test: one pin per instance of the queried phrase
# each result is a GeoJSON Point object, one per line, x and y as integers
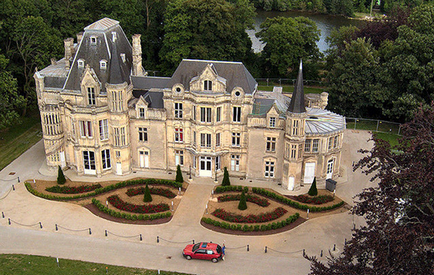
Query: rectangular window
{"type": "Point", "coordinates": [315, 145]}
{"type": "Point", "coordinates": [335, 144]}
{"type": "Point", "coordinates": [235, 162]}
{"type": "Point", "coordinates": [236, 114]}
{"type": "Point", "coordinates": [178, 110]}
{"type": "Point", "coordinates": [217, 163]}
{"type": "Point", "coordinates": [287, 150]}
{"type": "Point", "coordinates": [194, 138]}
{"type": "Point", "coordinates": [118, 154]}
{"type": "Point", "coordinates": [294, 151]}
{"type": "Point", "coordinates": [207, 85]}
{"type": "Point", "coordinates": [271, 144]}
{"type": "Point", "coordinates": [272, 122]}
{"type": "Point", "coordinates": [179, 157]}
{"type": "Point", "coordinates": [307, 145]}
{"type": "Point", "coordinates": [218, 114]}
{"type": "Point", "coordinates": [179, 137]}
{"type": "Point", "coordinates": [119, 135]}
{"type": "Point", "coordinates": [269, 169]}
{"type": "Point", "coordinates": [295, 127]}
{"type": "Point", "coordinates": [330, 143]}
{"type": "Point", "coordinates": [143, 134]}
{"type": "Point", "coordinates": [142, 112]}
{"type": "Point", "coordinates": [205, 140]}
{"type": "Point", "coordinates": [103, 129]}
{"type": "Point", "coordinates": [86, 129]}
{"type": "Point", "coordinates": [105, 156]}
{"type": "Point", "coordinates": [117, 101]}
{"type": "Point", "coordinates": [205, 114]}
{"type": "Point", "coordinates": [89, 160]}
{"type": "Point", "coordinates": [91, 95]}
{"type": "Point", "coordinates": [194, 113]}
{"type": "Point", "coordinates": [217, 139]}
{"type": "Point", "coordinates": [236, 137]}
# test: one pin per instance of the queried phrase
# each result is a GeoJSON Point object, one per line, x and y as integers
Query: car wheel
{"type": "Point", "coordinates": [188, 257]}
{"type": "Point", "coordinates": [214, 260]}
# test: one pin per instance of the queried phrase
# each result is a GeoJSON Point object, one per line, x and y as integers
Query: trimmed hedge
{"type": "Point", "coordinates": [260, 218]}
{"type": "Point", "coordinates": [314, 200]}
{"type": "Point", "coordinates": [127, 216]}
{"type": "Point", "coordinates": [292, 203]}
{"type": "Point", "coordinates": [238, 188]}
{"type": "Point", "coordinates": [250, 198]}
{"type": "Point", "coordinates": [142, 209]}
{"type": "Point", "coordinates": [155, 191]}
{"type": "Point", "coordinates": [71, 189]}
{"type": "Point", "coordinates": [104, 189]}
{"type": "Point", "coordinates": [249, 228]}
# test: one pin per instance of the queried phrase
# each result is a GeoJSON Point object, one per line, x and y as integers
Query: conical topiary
{"type": "Point", "coordinates": [60, 176]}
{"type": "Point", "coordinates": [147, 197]}
{"type": "Point", "coordinates": [313, 191]}
{"type": "Point", "coordinates": [226, 181]}
{"type": "Point", "coordinates": [179, 177]}
{"type": "Point", "coordinates": [243, 204]}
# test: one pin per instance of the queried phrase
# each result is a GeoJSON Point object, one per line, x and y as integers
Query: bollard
{"type": "Point", "coordinates": [3, 215]}
{"type": "Point", "coordinates": [304, 253]}
{"type": "Point", "coordinates": [172, 205]}
{"type": "Point", "coordinates": [193, 241]}
{"type": "Point", "coordinates": [248, 248]}
{"type": "Point", "coordinates": [321, 252]}
{"type": "Point", "coordinates": [106, 233]}
{"type": "Point", "coordinates": [265, 249]}
{"type": "Point", "coordinates": [158, 239]}
{"type": "Point", "coordinates": [56, 227]}
{"type": "Point", "coordinates": [18, 179]}
{"type": "Point", "coordinates": [9, 221]}
{"type": "Point", "coordinates": [334, 247]}
{"type": "Point", "coordinates": [345, 241]}
{"type": "Point", "coordinates": [206, 208]}
{"type": "Point", "coordinates": [140, 237]}
{"type": "Point", "coordinates": [179, 191]}
{"type": "Point", "coordinates": [13, 187]}
{"type": "Point", "coordinates": [90, 231]}
{"type": "Point", "coordinates": [40, 225]}
{"type": "Point", "coordinates": [307, 214]}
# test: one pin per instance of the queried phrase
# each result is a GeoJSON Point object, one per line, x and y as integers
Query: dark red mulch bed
{"type": "Point", "coordinates": [92, 208]}
{"type": "Point", "coordinates": [254, 233]}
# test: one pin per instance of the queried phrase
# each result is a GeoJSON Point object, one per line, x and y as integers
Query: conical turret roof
{"type": "Point", "coordinates": [297, 101]}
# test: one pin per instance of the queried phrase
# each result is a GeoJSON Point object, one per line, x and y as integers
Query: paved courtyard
{"type": "Point", "coordinates": [122, 245]}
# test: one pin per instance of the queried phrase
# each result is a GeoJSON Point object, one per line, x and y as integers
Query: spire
{"type": "Point", "coordinates": [297, 101]}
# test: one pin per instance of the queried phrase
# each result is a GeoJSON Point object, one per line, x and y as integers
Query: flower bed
{"type": "Point", "coordinates": [72, 190]}
{"type": "Point", "coordinates": [314, 200]}
{"type": "Point", "coordinates": [263, 217]}
{"type": "Point", "coordinates": [128, 216]}
{"type": "Point", "coordinates": [134, 208]}
{"type": "Point", "coordinates": [254, 199]}
{"type": "Point", "coordinates": [156, 191]}
{"type": "Point", "coordinates": [257, 227]}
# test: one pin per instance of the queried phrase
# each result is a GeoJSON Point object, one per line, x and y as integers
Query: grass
{"type": "Point", "coordinates": [391, 138]}
{"type": "Point", "coordinates": [27, 264]}
{"type": "Point", "coordinates": [18, 139]}
{"type": "Point", "coordinates": [290, 89]}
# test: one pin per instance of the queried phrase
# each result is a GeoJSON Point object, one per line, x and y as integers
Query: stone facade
{"type": "Point", "coordinates": [101, 113]}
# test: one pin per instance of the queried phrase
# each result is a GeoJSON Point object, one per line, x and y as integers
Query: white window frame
{"type": "Point", "coordinates": [141, 112]}
{"type": "Point", "coordinates": [205, 114]}
{"type": "Point", "coordinates": [179, 134]}
{"type": "Point", "coordinates": [91, 96]}
{"type": "Point", "coordinates": [272, 122]}
{"type": "Point", "coordinates": [179, 155]}
{"type": "Point", "coordinates": [103, 65]}
{"type": "Point", "coordinates": [315, 145]}
{"type": "Point", "coordinates": [235, 163]}
{"type": "Point", "coordinates": [205, 140]}
{"type": "Point", "coordinates": [105, 157]}
{"type": "Point", "coordinates": [236, 139]}
{"type": "Point", "coordinates": [178, 110]}
{"type": "Point", "coordinates": [271, 144]}
{"type": "Point", "coordinates": [218, 139]}
{"type": "Point", "coordinates": [236, 114]}
{"type": "Point", "coordinates": [143, 134]}
{"type": "Point", "coordinates": [218, 116]}
{"type": "Point", "coordinates": [86, 129]}
{"type": "Point", "coordinates": [103, 129]}
{"type": "Point", "coordinates": [207, 85]}
{"type": "Point", "coordinates": [269, 169]}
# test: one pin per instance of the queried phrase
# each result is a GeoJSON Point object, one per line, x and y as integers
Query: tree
{"type": "Point", "coordinates": [147, 197]}
{"type": "Point", "coordinates": [287, 41]}
{"type": "Point", "coordinates": [399, 231]}
{"type": "Point", "coordinates": [312, 190]}
{"type": "Point", "coordinates": [243, 203]}
{"type": "Point", "coordinates": [179, 177]}
{"type": "Point", "coordinates": [10, 101]}
{"type": "Point", "coordinates": [60, 176]}
{"type": "Point", "coordinates": [226, 181]}
{"type": "Point", "coordinates": [217, 34]}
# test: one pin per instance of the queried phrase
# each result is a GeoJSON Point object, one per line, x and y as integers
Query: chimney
{"type": "Point", "coordinates": [79, 37]}
{"type": "Point", "coordinates": [137, 56]}
{"type": "Point", "coordinates": [69, 48]}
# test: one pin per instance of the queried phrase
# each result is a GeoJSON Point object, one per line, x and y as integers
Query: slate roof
{"type": "Point", "coordinates": [154, 99]}
{"type": "Point", "coordinates": [149, 82]}
{"type": "Point", "coordinates": [297, 100]}
{"type": "Point", "coordinates": [107, 48]}
{"type": "Point", "coordinates": [235, 74]}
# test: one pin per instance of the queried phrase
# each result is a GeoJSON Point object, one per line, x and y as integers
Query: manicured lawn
{"type": "Point", "coordinates": [26, 264]}
{"type": "Point", "coordinates": [391, 138]}
{"type": "Point", "coordinates": [290, 89]}
{"type": "Point", "coordinates": [16, 140]}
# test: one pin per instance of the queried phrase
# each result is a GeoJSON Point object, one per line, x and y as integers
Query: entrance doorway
{"type": "Point", "coordinates": [205, 167]}
{"type": "Point", "coordinates": [144, 159]}
{"type": "Point", "coordinates": [330, 165]}
{"type": "Point", "coordinates": [309, 172]}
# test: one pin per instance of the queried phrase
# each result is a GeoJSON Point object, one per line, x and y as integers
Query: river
{"type": "Point", "coordinates": [325, 23]}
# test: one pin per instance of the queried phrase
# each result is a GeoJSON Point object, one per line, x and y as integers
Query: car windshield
{"type": "Point", "coordinates": [219, 249]}
{"type": "Point", "coordinates": [195, 247]}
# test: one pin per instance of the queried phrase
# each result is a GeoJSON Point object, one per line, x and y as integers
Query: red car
{"type": "Point", "coordinates": [204, 251]}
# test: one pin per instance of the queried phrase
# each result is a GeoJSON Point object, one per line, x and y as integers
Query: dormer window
{"type": "Point", "coordinates": [103, 64]}
{"type": "Point", "coordinates": [123, 57]}
{"type": "Point", "coordinates": [207, 85]}
{"type": "Point", "coordinates": [93, 40]}
{"type": "Point", "coordinates": [80, 63]}
{"type": "Point", "coordinates": [114, 37]}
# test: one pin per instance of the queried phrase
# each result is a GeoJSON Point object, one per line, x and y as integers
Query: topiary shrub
{"type": "Point", "coordinates": [147, 197]}
{"type": "Point", "coordinates": [313, 191]}
{"type": "Point", "coordinates": [179, 177]}
{"type": "Point", "coordinates": [226, 181]}
{"type": "Point", "coordinates": [243, 204]}
{"type": "Point", "coordinates": [60, 176]}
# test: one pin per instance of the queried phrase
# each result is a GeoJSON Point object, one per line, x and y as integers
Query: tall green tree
{"type": "Point", "coordinates": [226, 181]}
{"type": "Point", "coordinates": [179, 177]}
{"type": "Point", "coordinates": [287, 41]}
{"type": "Point", "coordinates": [206, 29]}
{"type": "Point", "coordinates": [10, 101]}
{"type": "Point", "coordinates": [60, 176]}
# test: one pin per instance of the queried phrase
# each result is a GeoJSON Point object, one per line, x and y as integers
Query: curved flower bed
{"type": "Point", "coordinates": [263, 217]}
{"type": "Point", "coordinates": [143, 209]}
{"type": "Point", "coordinates": [257, 227]}
{"type": "Point", "coordinates": [314, 200]}
{"type": "Point", "coordinates": [254, 199]}
{"type": "Point", "coordinates": [155, 191]}
{"type": "Point", "coordinates": [72, 190]}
